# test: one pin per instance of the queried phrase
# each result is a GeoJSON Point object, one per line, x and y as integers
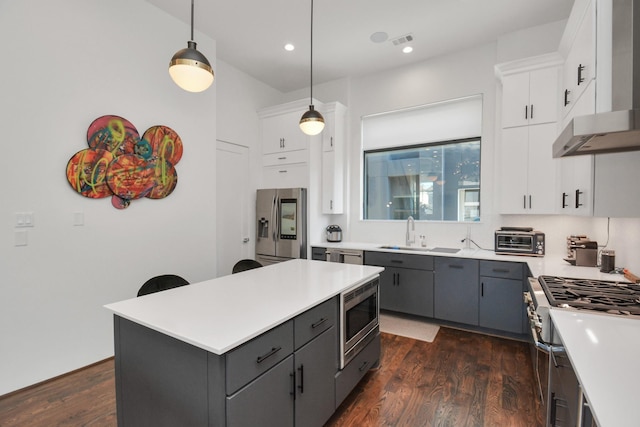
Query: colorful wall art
{"type": "Point", "coordinates": [121, 165]}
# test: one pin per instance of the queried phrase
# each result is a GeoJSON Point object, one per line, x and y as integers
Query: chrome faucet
{"type": "Point", "coordinates": [411, 231]}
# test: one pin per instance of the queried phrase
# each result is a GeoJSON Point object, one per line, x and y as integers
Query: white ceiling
{"type": "Point", "coordinates": [250, 34]}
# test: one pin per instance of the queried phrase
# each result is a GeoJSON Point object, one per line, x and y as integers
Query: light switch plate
{"type": "Point", "coordinates": [24, 219]}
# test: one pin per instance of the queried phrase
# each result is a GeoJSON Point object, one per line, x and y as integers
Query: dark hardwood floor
{"type": "Point", "coordinates": [461, 379]}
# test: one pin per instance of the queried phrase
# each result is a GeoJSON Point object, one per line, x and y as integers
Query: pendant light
{"type": "Point", "coordinates": [312, 121]}
{"type": "Point", "coordinates": [189, 68]}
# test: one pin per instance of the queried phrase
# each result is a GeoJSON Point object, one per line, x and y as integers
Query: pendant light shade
{"type": "Point", "coordinates": [312, 121]}
{"type": "Point", "coordinates": [189, 68]}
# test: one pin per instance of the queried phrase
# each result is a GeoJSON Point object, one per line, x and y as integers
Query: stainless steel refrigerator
{"type": "Point", "coordinates": [281, 217]}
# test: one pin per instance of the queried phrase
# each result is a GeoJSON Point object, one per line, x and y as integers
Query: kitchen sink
{"type": "Point", "coordinates": [420, 249]}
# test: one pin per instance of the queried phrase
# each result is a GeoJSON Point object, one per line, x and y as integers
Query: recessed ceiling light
{"type": "Point", "coordinates": [379, 37]}
{"type": "Point", "coordinates": [407, 49]}
{"type": "Point", "coordinates": [289, 47]}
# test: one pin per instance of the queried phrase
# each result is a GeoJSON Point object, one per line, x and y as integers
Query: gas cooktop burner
{"type": "Point", "coordinates": [601, 295]}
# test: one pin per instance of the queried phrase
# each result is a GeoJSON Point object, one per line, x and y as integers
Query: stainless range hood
{"type": "Point", "coordinates": [618, 130]}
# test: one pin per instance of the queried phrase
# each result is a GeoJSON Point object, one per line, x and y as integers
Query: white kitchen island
{"type": "Point", "coordinates": [228, 351]}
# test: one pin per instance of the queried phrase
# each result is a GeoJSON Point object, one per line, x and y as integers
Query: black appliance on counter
{"type": "Point", "coordinates": [601, 296]}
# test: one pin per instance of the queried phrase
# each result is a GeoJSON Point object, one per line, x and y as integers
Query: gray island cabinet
{"type": "Point", "coordinates": [183, 356]}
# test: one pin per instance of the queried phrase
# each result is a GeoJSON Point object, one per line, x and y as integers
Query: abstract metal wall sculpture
{"type": "Point", "coordinates": [122, 165]}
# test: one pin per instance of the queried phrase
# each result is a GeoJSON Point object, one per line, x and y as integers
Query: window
{"type": "Point", "coordinates": [423, 162]}
{"type": "Point", "coordinates": [436, 181]}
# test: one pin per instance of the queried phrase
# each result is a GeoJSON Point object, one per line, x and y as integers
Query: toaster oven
{"type": "Point", "coordinates": [519, 241]}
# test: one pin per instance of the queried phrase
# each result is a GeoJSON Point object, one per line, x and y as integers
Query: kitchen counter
{"type": "Point", "coordinates": [549, 265]}
{"type": "Point", "coordinates": [604, 351]}
{"type": "Point", "coordinates": [220, 314]}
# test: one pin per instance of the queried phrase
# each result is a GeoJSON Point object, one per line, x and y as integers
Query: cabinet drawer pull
{"type": "Point", "coordinates": [397, 261]}
{"type": "Point", "coordinates": [282, 158]}
{"type": "Point", "coordinates": [273, 351]}
{"type": "Point", "coordinates": [319, 322]}
{"type": "Point", "coordinates": [500, 270]}
{"type": "Point", "coordinates": [456, 266]}
{"type": "Point", "coordinates": [363, 366]}
{"type": "Point", "coordinates": [282, 171]}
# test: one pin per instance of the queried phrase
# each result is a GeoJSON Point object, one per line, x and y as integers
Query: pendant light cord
{"type": "Point", "coordinates": [192, 20]}
{"type": "Point", "coordinates": [311, 71]}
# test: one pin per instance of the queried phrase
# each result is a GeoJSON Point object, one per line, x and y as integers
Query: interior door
{"type": "Point", "coordinates": [232, 207]}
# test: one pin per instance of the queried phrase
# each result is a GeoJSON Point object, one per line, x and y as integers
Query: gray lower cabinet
{"type": "Point", "coordinates": [406, 284]}
{"type": "Point", "coordinates": [501, 287]}
{"type": "Point", "coordinates": [265, 401]}
{"type": "Point", "coordinates": [316, 366]}
{"type": "Point", "coordinates": [456, 290]}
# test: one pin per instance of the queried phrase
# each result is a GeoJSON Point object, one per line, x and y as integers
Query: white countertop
{"type": "Point", "coordinates": [548, 265]}
{"type": "Point", "coordinates": [218, 315]}
{"type": "Point", "coordinates": [604, 351]}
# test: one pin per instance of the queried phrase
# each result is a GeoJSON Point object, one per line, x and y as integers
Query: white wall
{"type": "Point", "coordinates": [67, 63]}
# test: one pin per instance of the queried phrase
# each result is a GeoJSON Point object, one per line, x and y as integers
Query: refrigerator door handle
{"type": "Point", "coordinates": [273, 217]}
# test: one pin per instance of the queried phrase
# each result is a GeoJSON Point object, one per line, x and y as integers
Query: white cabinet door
{"type": "Point", "coordinates": [576, 172]}
{"type": "Point", "coordinates": [528, 172]}
{"type": "Point", "coordinates": [333, 141]}
{"type": "Point", "coordinates": [513, 170]}
{"type": "Point", "coordinates": [530, 97]}
{"type": "Point", "coordinates": [580, 65]}
{"type": "Point", "coordinates": [542, 169]}
{"type": "Point", "coordinates": [332, 184]}
{"type": "Point", "coordinates": [515, 100]}
{"type": "Point", "coordinates": [543, 95]}
{"type": "Point", "coordinates": [282, 133]}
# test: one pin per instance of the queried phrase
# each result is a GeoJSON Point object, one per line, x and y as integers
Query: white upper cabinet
{"type": "Point", "coordinates": [576, 172]}
{"type": "Point", "coordinates": [528, 179]}
{"type": "Point", "coordinates": [530, 97]}
{"type": "Point", "coordinates": [281, 133]}
{"type": "Point", "coordinates": [333, 145]}
{"type": "Point", "coordinates": [579, 42]}
{"type": "Point", "coordinates": [528, 174]}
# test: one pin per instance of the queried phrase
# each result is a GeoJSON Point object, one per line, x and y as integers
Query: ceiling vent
{"type": "Point", "coordinates": [402, 39]}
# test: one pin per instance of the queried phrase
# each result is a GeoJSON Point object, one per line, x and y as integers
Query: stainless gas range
{"type": "Point", "coordinates": [602, 296]}
{"type": "Point", "coordinates": [610, 298]}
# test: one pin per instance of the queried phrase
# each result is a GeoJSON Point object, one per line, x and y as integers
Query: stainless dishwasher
{"type": "Point", "coordinates": [344, 256]}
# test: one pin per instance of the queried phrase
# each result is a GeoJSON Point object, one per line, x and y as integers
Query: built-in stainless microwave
{"type": "Point", "coordinates": [519, 242]}
{"type": "Point", "coordinates": [359, 319]}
